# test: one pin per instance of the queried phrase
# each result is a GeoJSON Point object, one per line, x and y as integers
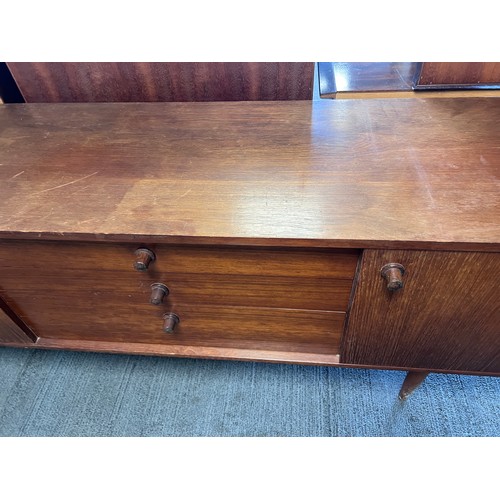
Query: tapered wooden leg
{"type": "Point", "coordinates": [411, 382]}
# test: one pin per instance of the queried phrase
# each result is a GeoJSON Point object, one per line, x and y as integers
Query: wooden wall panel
{"type": "Point", "coordinates": [459, 74]}
{"type": "Point", "coordinates": [148, 82]}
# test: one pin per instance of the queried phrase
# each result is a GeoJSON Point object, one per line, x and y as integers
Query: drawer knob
{"type": "Point", "coordinates": [158, 292]}
{"type": "Point", "coordinates": [170, 322]}
{"type": "Point", "coordinates": [143, 257]}
{"type": "Point", "coordinates": [393, 273]}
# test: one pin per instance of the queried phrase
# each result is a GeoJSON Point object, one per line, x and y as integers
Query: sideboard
{"type": "Point", "coordinates": [360, 233]}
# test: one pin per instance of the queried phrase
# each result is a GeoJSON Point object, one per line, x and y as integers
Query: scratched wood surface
{"type": "Point", "coordinates": [402, 173]}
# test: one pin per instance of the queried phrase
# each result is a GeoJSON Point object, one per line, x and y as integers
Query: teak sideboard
{"type": "Point", "coordinates": [359, 233]}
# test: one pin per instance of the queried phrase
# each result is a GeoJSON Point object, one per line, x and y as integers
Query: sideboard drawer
{"type": "Point", "coordinates": [295, 279]}
{"type": "Point", "coordinates": [233, 297]}
{"type": "Point", "coordinates": [108, 318]}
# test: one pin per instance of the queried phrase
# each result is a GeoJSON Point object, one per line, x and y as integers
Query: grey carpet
{"type": "Point", "coordinates": [52, 393]}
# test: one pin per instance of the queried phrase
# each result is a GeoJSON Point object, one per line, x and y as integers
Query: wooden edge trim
{"type": "Point", "coordinates": [191, 351]}
{"type": "Point", "coordinates": [466, 246]}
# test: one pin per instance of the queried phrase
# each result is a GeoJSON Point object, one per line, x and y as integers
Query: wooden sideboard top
{"type": "Point", "coordinates": [402, 173]}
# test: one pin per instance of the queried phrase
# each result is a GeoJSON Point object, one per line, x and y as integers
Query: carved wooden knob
{"type": "Point", "coordinates": [158, 292]}
{"type": "Point", "coordinates": [143, 257]}
{"type": "Point", "coordinates": [170, 321]}
{"type": "Point", "coordinates": [393, 273]}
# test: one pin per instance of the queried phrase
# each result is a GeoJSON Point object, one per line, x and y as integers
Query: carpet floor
{"type": "Point", "coordinates": [54, 393]}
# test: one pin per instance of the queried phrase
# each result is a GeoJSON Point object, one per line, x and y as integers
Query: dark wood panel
{"type": "Point", "coordinates": [355, 173]}
{"type": "Point", "coordinates": [12, 329]}
{"type": "Point", "coordinates": [149, 82]}
{"type": "Point", "coordinates": [459, 75]}
{"type": "Point", "coordinates": [447, 316]}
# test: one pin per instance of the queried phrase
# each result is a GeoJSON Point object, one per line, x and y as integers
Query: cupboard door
{"type": "Point", "coordinates": [446, 316]}
{"type": "Point", "coordinates": [12, 329]}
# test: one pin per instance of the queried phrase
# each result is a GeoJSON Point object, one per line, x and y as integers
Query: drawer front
{"type": "Point", "coordinates": [316, 280]}
{"type": "Point", "coordinates": [200, 325]}
{"type": "Point", "coordinates": [182, 259]}
{"type": "Point", "coordinates": [225, 297]}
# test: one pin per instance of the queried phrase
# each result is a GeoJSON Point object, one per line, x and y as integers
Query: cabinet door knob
{"type": "Point", "coordinates": [393, 273]}
{"type": "Point", "coordinates": [158, 292]}
{"type": "Point", "coordinates": [170, 321]}
{"type": "Point", "coordinates": [143, 257]}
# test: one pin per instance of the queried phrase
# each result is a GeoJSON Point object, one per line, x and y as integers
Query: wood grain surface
{"type": "Point", "coordinates": [459, 74]}
{"type": "Point", "coordinates": [207, 352]}
{"type": "Point", "coordinates": [294, 279]}
{"type": "Point", "coordinates": [242, 298]}
{"type": "Point", "coordinates": [392, 173]}
{"type": "Point", "coordinates": [117, 318]}
{"type": "Point", "coordinates": [446, 317]}
{"type": "Point", "coordinates": [161, 82]}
